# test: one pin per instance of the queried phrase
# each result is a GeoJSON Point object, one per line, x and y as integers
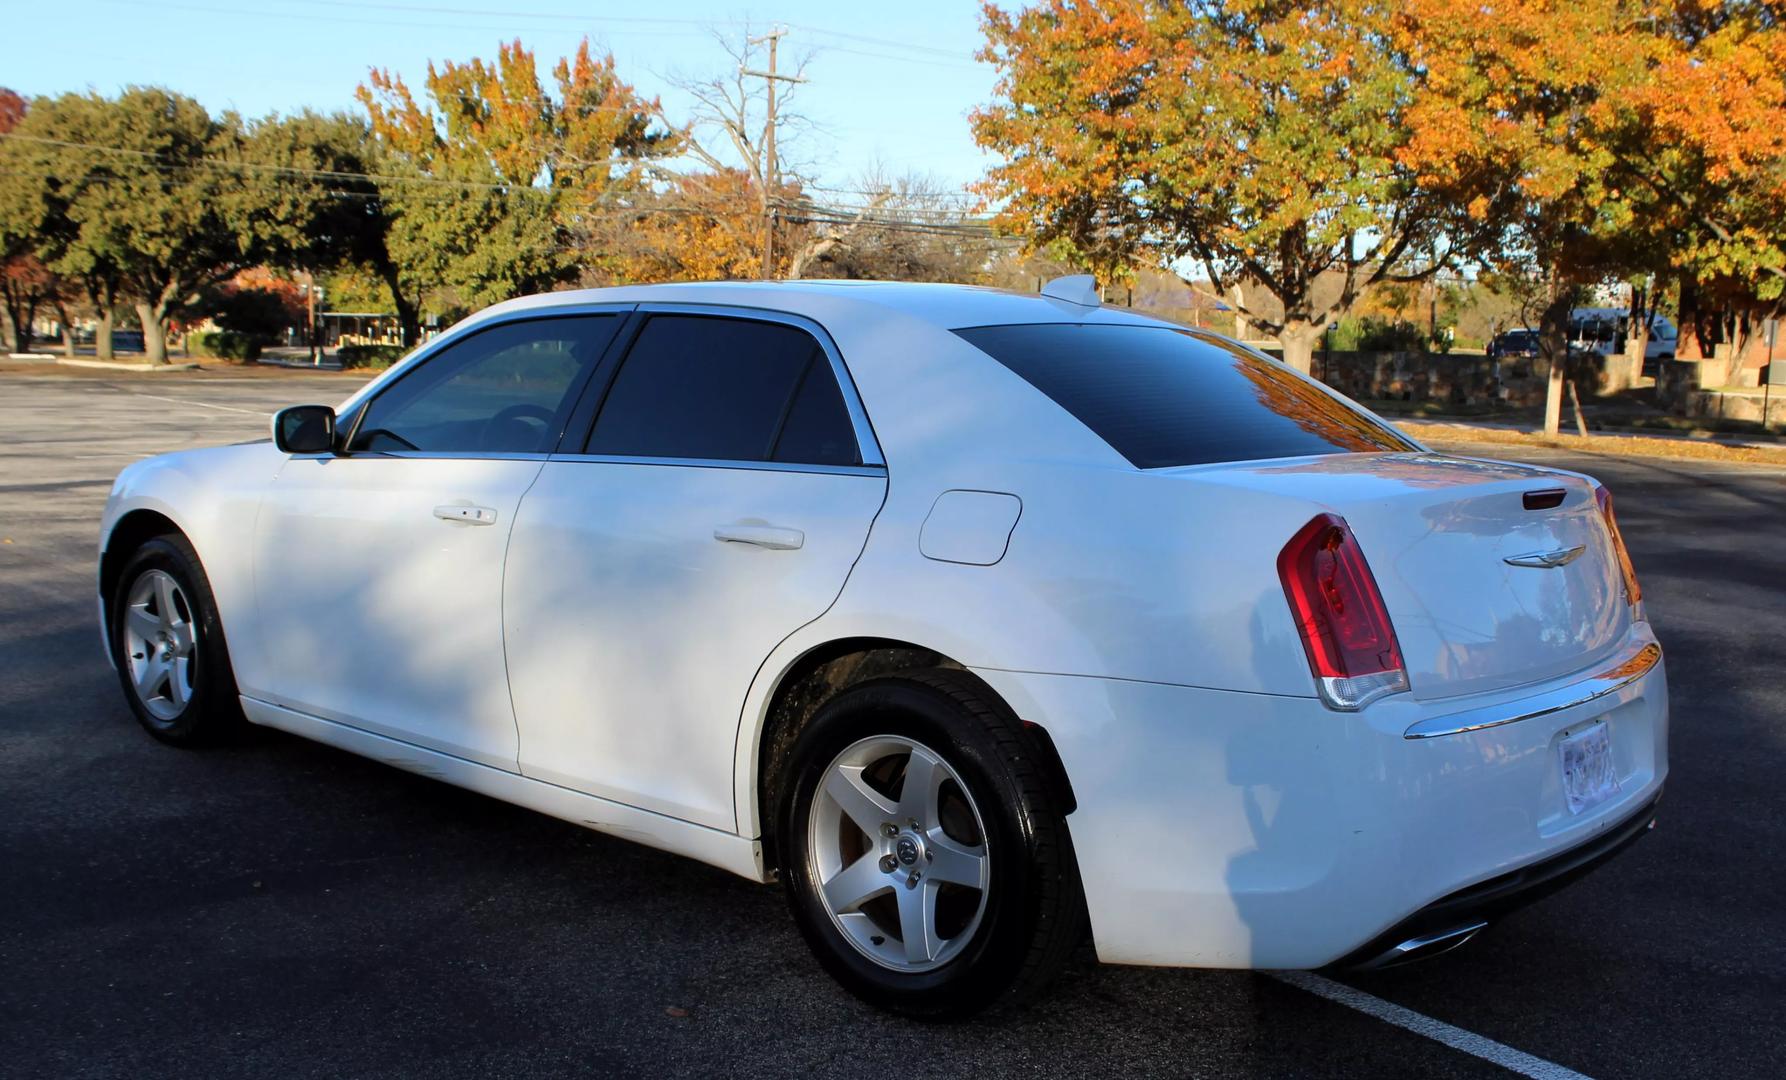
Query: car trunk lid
{"type": "Point", "coordinates": [1494, 575]}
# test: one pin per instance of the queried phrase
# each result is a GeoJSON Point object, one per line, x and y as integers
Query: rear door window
{"type": "Point", "coordinates": [725, 389]}
{"type": "Point", "coordinates": [1163, 397]}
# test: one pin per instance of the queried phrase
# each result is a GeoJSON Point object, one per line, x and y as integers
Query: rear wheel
{"type": "Point", "coordinates": [925, 862]}
{"type": "Point", "coordinates": [168, 645]}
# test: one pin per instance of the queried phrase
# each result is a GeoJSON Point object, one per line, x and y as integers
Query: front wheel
{"type": "Point", "coordinates": [926, 863]}
{"type": "Point", "coordinates": [168, 645]}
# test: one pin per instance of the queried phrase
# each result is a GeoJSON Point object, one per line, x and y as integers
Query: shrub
{"type": "Point", "coordinates": [263, 314]}
{"type": "Point", "coordinates": [1373, 333]}
{"type": "Point", "coordinates": [370, 356]}
{"type": "Point", "coordinates": [223, 344]}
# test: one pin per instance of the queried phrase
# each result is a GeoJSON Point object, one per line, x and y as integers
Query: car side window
{"type": "Point", "coordinates": [729, 389]}
{"type": "Point", "coordinates": [507, 389]}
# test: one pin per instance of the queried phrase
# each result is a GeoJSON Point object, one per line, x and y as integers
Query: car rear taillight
{"type": "Point", "coordinates": [1633, 593]}
{"type": "Point", "coordinates": [1339, 613]}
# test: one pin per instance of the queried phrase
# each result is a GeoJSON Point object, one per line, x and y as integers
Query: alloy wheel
{"type": "Point", "coordinates": [160, 644]}
{"type": "Point", "coordinates": [898, 851]}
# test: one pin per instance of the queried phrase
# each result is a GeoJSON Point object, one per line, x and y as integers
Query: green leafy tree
{"type": "Point", "coordinates": [489, 183]}
{"type": "Point", "coordinates": [1259, 140]}
{"type": "Point", "coordinates": [138, 194]}
{"type": "Point", "coordinates": [317, 189]}
{"type": "Point", "coordinates": [44, 173]}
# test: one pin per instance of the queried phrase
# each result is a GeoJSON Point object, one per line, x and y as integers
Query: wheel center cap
{"type": "Point", "coordinates": [908, 849]}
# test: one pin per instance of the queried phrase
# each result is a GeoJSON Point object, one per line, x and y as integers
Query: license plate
{"type": "Point", "coordinates": [1588, 775]}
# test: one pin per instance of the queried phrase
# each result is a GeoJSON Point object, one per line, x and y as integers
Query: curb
{"type": "Point", "coordinates": [118, 365]}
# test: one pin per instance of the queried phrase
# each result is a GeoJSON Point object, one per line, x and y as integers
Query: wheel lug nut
{"type": "Point", "coordinates": [912, 880]}
{"type": "Point", "coordinates": [889, 864]}
{"type": "Point", "coordinates": [889, 830]}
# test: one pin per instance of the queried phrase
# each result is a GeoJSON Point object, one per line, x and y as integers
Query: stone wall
{"type": "Point", "coordinates": [1678, 391]}
{"type": "Point", "coordinates": [1450, 378]}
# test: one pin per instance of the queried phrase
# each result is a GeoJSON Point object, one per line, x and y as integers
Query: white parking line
{"type": "Point", "coordinates": [200, 404]}
{"type": "Point", "coordinates": [1455, 1037]}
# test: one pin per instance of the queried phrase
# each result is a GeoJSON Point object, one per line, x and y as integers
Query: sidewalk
{"type": "Point", "coordinates": [299, 357]}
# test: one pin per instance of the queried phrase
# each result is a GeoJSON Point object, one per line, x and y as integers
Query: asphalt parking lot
{"type": "Point", "coordinates": [276, 906]}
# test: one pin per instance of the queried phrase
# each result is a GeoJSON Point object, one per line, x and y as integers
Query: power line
{"type": "Point", "coordinates": [687, 27]}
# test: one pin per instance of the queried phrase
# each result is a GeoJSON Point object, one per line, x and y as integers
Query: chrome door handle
{"type": "Point", "coordinates": [466, 515]}
{"type": "Point", "coordinates": [763, 536]}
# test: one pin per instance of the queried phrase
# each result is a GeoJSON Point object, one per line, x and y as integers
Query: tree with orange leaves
{"type": "Point", "coordinates": [1518, 117]}
{"type": "Point", "coordinates": [490, 183]}
{"type": "Point", "coordinates": [1713, 178]}
{"type": "Point", "coordinates": [1262, 141]}
{"type": "Point", "coordinates": [1605, 138]}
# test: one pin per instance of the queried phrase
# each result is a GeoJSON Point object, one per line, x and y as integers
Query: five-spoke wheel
{"type": "Point", "coordinates": [168, 644]}
{"type": "Point", "coordinates": [160, 643]}
{"type": "Point", "coordinates": [900, 853]}
{"type": "Point", "coordinates": [926, 856]}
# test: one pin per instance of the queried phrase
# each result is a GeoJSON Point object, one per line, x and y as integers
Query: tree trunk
{"type": "Point", "coordinates": [408, 314]}
{"type": "Point", "coordinates": [102, 334]}
{"type": "Point", "coordinates": [1299, 337]}
{"type": "Point", "coordinates": [1243, 327]}
{"type": "Point", "coordinates": [102, 294]}
{"type": "Point", "coordinates": [67, 328]}
{"type": "Point", "coordinates": [1553, 346]}
{"type": "Point", "coordinates": [1637, 335]}
{"type": "Point", "coordinates": [154, 322]}
{"type": "Point", "coordinates": [16, 310]}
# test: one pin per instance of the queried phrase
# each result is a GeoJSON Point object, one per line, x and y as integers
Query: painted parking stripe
{"type": "Point", "coordinates": [200, 404]}
{"type": "Point", "coordinates": [1455, 1037]}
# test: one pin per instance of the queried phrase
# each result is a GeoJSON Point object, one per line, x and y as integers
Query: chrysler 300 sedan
{"type": "Point", "coordinates": [980, 620]}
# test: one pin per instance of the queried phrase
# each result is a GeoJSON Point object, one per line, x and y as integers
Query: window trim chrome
{"type": "Point", "coordinates": [868, 445]}
{"type": "Point", "coordinates": [725, 463]}
{"type": "Point", "coordinates": [1630, 666]}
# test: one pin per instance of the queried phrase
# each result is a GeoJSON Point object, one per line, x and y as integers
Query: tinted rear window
{"type": "Point", "coordinates": [1162, 397]}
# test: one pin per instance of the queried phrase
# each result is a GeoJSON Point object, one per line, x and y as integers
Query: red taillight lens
{"type": "Point", "coordinates": [1339, 613]}
{"type": "Point", "coordinates": [1633, 593]}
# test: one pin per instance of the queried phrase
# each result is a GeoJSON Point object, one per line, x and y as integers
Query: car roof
{"type": "Point", "coordinates": [943, 305]}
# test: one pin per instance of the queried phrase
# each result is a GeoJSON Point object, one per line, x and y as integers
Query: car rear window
{"type": "Point", "coordinates": [1163, 397]}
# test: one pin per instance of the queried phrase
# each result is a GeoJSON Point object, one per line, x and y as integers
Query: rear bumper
{"type": "Point", "coordinates": [1220, 829]}
{"type": "Point", "coordinates": [1455, 917]}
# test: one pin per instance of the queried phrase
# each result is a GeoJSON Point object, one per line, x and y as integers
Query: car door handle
{"type": "Point", "coordinates": [466, 515]}
{"type": "Point", "coordinates": [763, 536]}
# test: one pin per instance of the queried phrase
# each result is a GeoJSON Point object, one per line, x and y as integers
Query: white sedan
{"type": "Point", "coordinates": [974, 617]}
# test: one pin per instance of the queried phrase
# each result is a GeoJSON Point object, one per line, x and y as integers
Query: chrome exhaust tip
{"type": "Point", "coordinates": [1423, 947]}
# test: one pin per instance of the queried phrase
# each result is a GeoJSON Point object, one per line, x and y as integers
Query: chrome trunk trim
{"type": "Point", "coordinates": [1629, 667]}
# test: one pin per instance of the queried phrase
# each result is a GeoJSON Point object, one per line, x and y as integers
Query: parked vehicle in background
{"type": "Point", "coordinates": [974, 617]}
{"type": "Point", "coordinates": [1603, 330]}
{"type": "Point", "coordinates": [1510, 344]}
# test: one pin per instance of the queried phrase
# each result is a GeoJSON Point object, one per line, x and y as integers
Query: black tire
{"type": "Point", "coordinates": [212, 708]}
{"type": "Point", "coordinates": [1033, 917]}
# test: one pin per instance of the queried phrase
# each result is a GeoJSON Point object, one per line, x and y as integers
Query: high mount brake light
{"type": "Point", "coordinates": [1339, 612]}
{"type": "Point", "coordinates": [1633, 593]}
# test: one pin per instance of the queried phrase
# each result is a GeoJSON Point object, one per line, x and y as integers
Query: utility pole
{"type": "Point", "coordinates": [770, 176]}
{"type": "Point", "coordinates": [310, 321]}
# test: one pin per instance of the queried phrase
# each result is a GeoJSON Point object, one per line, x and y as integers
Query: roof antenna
{"type": "Point", "coordinates": [1080, 289]}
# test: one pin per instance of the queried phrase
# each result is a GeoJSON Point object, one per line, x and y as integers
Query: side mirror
{"type": "Point", "coordinates": [304, 429]}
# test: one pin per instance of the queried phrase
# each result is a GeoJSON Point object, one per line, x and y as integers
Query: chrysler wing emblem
{"type": "Point", "coordinates": [1546, 560]}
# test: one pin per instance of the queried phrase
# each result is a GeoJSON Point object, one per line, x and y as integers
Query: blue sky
{"type": "Point", "coordinates": [891, 83]}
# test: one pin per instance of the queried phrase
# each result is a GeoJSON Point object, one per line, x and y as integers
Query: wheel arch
{"type": "Point", "coordinates": [128, 533]}
{"type": "Point", "coordinates": [826, 670]}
